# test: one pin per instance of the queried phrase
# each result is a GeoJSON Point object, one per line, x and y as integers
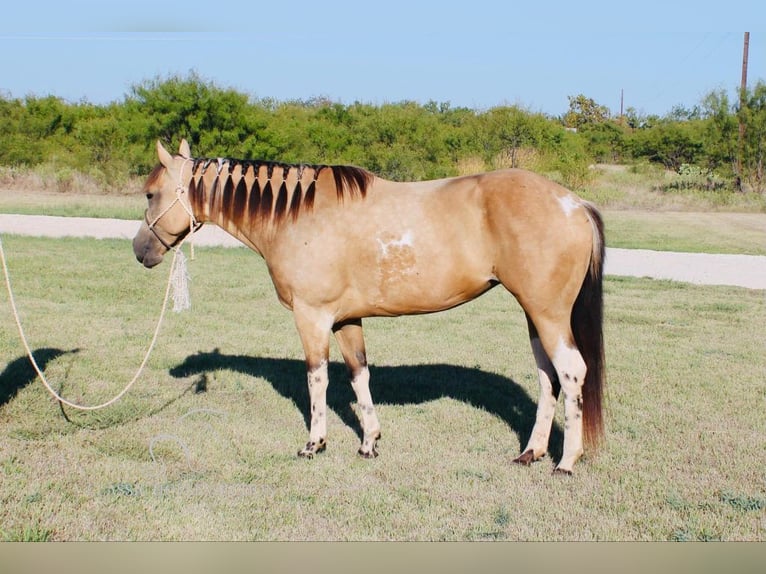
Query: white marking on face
{"type": "Point", "coordinates": [568, 204]}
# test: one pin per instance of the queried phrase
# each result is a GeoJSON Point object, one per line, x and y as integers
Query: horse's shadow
{"type": "Point", "coordinates": [19, 373]}
{"type": "Point", "coordinates": [397, 385]}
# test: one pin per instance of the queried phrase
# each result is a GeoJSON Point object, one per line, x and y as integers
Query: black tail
{"type": "Point", "coordinates": [587, 327]}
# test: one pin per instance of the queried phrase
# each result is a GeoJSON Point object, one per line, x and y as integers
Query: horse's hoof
{"type": "Point", "coordinates": [562, 471]}
{"type": "Point", "coordinates": [367, 450]}
{"type": "Point", "coordinates": [368, 454]}
{"type": "Point", "coordinates": [526, 458]}
{"type": "Point", "coordinates": [312, 448]}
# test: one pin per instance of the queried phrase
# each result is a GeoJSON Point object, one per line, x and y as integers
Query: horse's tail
{"type": "Point", "coordinates": [587, 327]}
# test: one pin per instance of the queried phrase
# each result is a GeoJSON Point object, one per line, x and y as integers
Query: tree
{"type": "Point", "coordinates": [12, 144]}
{"type": "Point", "coordinates": [213, 120]}
{"type": "Point", "coordinates": [753, 116]}
{"type": "Point", "coordinates": [584, 111]}
{"type": "Point", "coordinates": [670, 143]}
{"type": "Point", "coordinates": [506, 130]}
{"type": "Point", "coordinates": [720, 133]}
{"type": "Point", "coordinates": [680, 113]}
{"type": "Point", "coordinates": [605, 141]}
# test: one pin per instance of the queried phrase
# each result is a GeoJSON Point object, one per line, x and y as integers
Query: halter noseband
{"type": "Point", "coordinates": [194, 225]}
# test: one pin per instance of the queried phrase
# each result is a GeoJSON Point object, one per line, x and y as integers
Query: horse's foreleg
{"type": "Point", "coordinates": [316, 345]}
{"type": "Point", "coordinates": [537, 446]}
{"type": "Point", "coordinates": [351, 342]}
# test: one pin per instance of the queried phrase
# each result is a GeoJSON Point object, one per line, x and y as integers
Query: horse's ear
{"type": "Point", "coordinates": [165, 158]}
{"type": "Point", "coordinates": [183, 149]}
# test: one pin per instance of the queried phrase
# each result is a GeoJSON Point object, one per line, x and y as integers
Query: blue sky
{"type": "Point", "coordinates": [477, 53]}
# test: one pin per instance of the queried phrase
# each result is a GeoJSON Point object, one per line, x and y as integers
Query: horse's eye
{"type": "Point", "coordinates": [149, 196]}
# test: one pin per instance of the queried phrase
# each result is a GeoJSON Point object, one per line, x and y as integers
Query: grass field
{"type": "Point", "coordinates": [72, 204]}
{"type": "Point", "coordinates": [203, 448]}
{"type": "Point", "coordinates": [691, 232]}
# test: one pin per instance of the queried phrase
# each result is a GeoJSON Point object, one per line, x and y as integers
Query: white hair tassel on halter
{"type": "Point", "coordinates": [179, 279]}
{"type": "Point", "coordinates": [179, 275]}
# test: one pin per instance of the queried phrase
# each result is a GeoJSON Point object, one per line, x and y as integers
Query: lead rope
{"type": "Point", "coordinates": [39, 371]}
{"type": "Point", "coordinates": [178, 280]}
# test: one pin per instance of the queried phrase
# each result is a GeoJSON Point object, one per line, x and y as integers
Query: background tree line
{"type": "Point", "coordinates": [402, 141]}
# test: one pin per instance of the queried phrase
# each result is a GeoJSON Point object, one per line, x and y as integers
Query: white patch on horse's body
{"type": "Point", "coordinates": [325, 321]}
{"type": "Point", "coordinates": [563, 356]}
{"type": "Point", "coordinates": [395, 244]}
{"type": "Point", "coordinates": [568, 204]}
{"type": "Point", "coordinates": [396, 259]}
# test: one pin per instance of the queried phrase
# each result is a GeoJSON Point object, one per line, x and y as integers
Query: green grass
{"type": "Point", "coordinates": [72, 204]}
{"type": "Point", "coordinates": [31, 533]}
{"type": "Point", "coordinates": [203, 447]}
{"type": "Point", "coordinates": [691, 232]}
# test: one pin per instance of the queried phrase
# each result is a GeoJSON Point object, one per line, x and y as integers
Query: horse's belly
{"type": "Point", "coordinates": [418, 298]}
{"type": "Point", "coordinates": [406, 284]}
{"type": "Point", "coordinates": [411, 268]}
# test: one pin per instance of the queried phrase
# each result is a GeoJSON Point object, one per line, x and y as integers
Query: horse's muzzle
{"type": "Point", "coordinates": [147, 248]}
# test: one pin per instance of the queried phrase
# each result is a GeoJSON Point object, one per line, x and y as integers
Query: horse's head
{"type": "Point", "coordinates": [168, 218]}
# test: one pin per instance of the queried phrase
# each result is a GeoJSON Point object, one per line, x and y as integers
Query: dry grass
{"type": "Point", "coordinates": [640, 187]}
{"type": "Point", "coordinates": [204, 447]}
{"type": "Point", "coordinates": [52, 178]}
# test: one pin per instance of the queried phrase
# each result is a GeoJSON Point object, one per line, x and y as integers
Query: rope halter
{"type": "Point", "coordinates": [179, 276]}
{"type": "Point", "coordinates": [194, 225]}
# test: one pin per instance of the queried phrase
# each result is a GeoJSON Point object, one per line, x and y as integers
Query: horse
{"type": "Point", "coordinates": [342, 244]}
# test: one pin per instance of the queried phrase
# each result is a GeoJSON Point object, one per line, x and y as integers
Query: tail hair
{"type": "Point", "coordinates": [587, 327]}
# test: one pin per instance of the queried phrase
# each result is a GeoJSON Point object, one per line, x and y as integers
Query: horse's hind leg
{"type": "Point", "coordinates": [537, 446]}
{"type": "Point", "coordinates": [557, 341]}
{"type": "Point", "coordinates": [351, 342]}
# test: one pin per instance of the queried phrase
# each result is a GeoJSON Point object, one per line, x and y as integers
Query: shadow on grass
{"type": "Point", "coordinates": [19, 373]}
{"type": "Point", "coordinates": [398, 385]}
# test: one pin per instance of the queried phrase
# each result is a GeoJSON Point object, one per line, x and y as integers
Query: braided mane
{"type": "Point", "coordinates": [253, 192]}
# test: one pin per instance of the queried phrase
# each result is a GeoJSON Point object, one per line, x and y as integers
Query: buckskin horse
{"type": "Point", "coordinates": [341, 244]}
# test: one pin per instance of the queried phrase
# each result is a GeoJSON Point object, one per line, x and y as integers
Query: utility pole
{"type": "Point", "coordinates": [622, 103]}
{"type": "Point", "coordinates": [742, 103]}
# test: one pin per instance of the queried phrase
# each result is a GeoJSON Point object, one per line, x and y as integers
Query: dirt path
{"type": "Point", "coordinates": [706, 269]}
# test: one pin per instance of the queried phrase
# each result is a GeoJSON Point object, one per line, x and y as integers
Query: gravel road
{"type": "Point", "coordinates": [706, 269]}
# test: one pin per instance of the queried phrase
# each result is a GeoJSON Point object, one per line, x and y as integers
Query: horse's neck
{"type": "Point", "coordinates": [250, 200]}
{"type": "Point", "coordinates": [254, 200]}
